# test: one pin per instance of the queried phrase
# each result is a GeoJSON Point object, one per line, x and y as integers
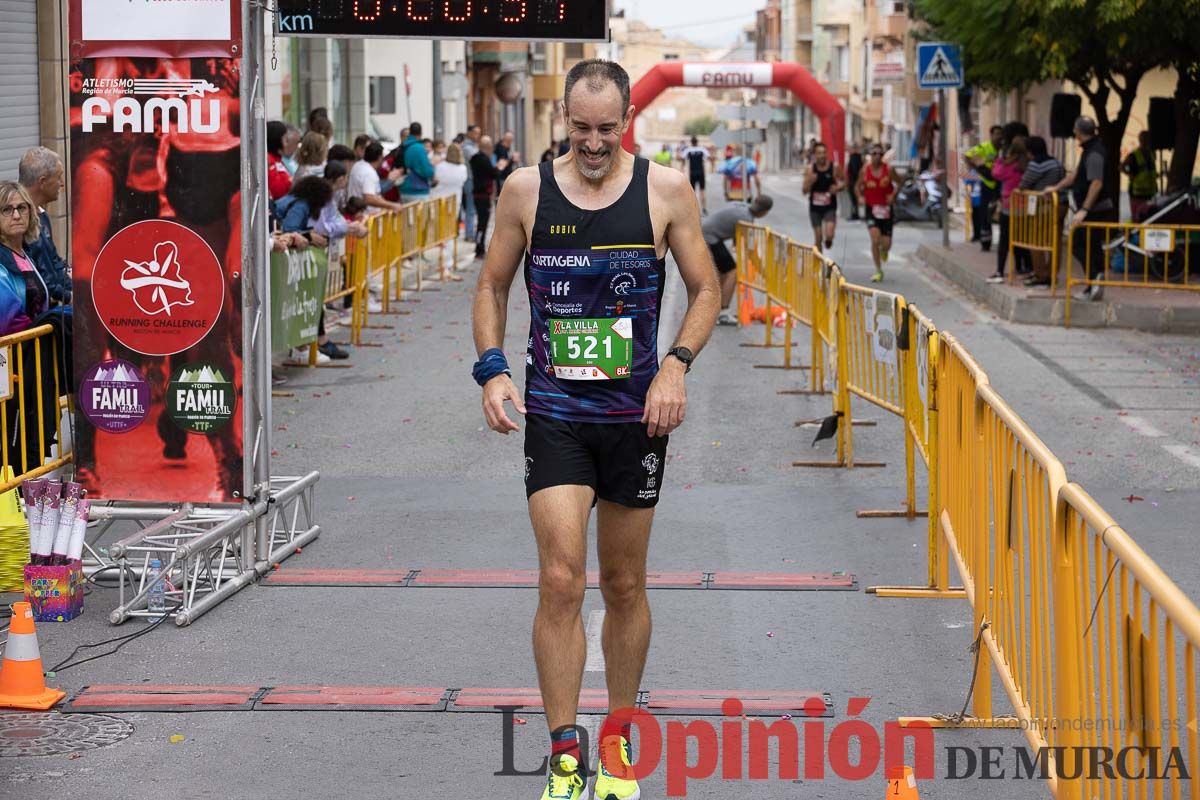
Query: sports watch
{"type": "Point", "coordinates": [684, 355]}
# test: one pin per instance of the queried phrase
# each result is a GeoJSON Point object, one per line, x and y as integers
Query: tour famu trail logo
{"type": "Point", "coordinates": [200, 399]}
{"type": "Point", "coordinates": [157, 285]}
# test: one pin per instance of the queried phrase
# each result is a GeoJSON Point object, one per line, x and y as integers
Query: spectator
{"type": "Point", "coordinates": [854, 165]}
{"type": "Point", "coordinates": [485, 175]}
{"type": "Point", "coordinates": [564, 147]}
{"type": "Point", "coordinates": [1042, 172]}
{"type": "Point", "coordinates": [470, 148]}
{"type": "Point", "coordinates": [312, 155]}
{"type": "Point", "coordinates": [1143, 177]}
{"type": "Point", "coordinates": [24, 301]}
{"type": "Point", "coordinates": [439, 152]}
{"type": "Point", "coordinates": [419, 179]}
{"type": "Point", "coordinates": [1095, 201]}
{"type": "Point", "coordinates": [41, 173]}
{"type": "Point", "coordinates": [732, 171]}
{"type": "Point", "coordinates": [548, 154]}
{"type": "Point", "coordinates": [345, 156]}
{"type": "Point", "coordinates": [471, 142]}
{"type": "Point", "coordinates": [451, 173]}
{"type": "Point", "coordinates": [23, 294]}
{"type": "Point", "coordinates": [663, 156]}
{"type": "Point", "coordinates": [980, 158]}
{"type": "Point", "coordinates": [364, 179]}
{"type": "Point", "coordinates": [505, 152]}
{"type": "Point", "coordinates": [360, 144]}
{"type": "Point", "coordinates": [324, 127]}
{"type": "Point", "coordinates": [291, 143]}
{"type": "Point", "coordinates": [1008, 170]}
{"type": "Point", "coordinates": [718, 228]}
{"type": "Point", "coordinates": [279, 180]}
{"type": "Point", "coordinates": [309, 198]}
{"type": "Point", "coordinates": [315, 116]}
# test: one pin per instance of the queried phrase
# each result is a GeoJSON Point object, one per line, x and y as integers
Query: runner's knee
{"type": "Point", "coordinates": [622, 587]}
{"type": "Point", "coordinates": [561, 587]}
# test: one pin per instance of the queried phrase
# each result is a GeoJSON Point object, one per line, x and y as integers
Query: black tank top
{"type": "Point", "coordinates": [595, 283]}
{"type": "Point", "coordinates": [820, 190]}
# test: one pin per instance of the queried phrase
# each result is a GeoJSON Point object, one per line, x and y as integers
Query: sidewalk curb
{"type": "Point", "coordinates": [1013, 306]}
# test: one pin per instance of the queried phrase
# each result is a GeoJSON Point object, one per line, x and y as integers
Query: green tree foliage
{"type": "Point", "coordinates": [1104, 46]}
{"type": "Point", "coordinates": [700, 126]}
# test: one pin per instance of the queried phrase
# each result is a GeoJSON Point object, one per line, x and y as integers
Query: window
{"type": "Point", "coordinates": [537, 55]}
{"type": "Point", "coordinates": [383, 94]}
{"type": "Point", "coordinates": [670, 56]}
{"type": "Point", "coordinates": [842, 61]}
{"type": "Point", "coordinates": [573, 51]}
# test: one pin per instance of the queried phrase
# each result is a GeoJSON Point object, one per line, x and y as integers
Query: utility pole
{"type": "Point", "coordinates": [439, 123]}
{"type": "Point", "coordinates": [943, 138]}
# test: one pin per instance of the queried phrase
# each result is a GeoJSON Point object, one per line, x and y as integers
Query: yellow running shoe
{"type": "Point", "coordinates": [609, 786]}
{"type": "Point", "coordinates": [877, 277]}
{"type": "Point", "coordinates": [564, 781]}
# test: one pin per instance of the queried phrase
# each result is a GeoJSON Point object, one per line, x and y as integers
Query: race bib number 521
{"type": "Point", "coordinates": [591, 349]}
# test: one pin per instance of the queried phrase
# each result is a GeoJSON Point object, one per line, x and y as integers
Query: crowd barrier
{"type": "Point", "coordinates": [33, 394]}
{"type": "Point", "coordinates": [1094, 646]}
{"type": "Point", "coordinates": [1133, 255]}
{"type": "Point", "coordinates": [1035, 223]}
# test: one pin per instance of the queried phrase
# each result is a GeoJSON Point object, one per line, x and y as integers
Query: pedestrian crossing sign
{"type": "Point", "coordinates": [939, 65]}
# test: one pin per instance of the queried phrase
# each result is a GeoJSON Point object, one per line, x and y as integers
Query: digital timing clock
{"type": "Point", "coordinates": [549, 20]}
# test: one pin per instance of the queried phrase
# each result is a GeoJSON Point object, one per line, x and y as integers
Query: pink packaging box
{"type": "Point", "coordinates": [55, 593]}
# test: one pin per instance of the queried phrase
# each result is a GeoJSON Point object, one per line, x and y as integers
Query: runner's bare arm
{"type": "Point", "coordinates": [810, 178]}
{"type": "Point", "coordinates": [666, 400]}
{"type": "Point", "coordinates": [839, 180]}
{"type": "Point", "coordinates": [490, 314]}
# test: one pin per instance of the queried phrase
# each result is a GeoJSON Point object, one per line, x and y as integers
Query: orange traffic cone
{"type": "Point", "coordinates": [902, 785]}
{"type": "Point", "coordinates": [21, 682]}
{"type": "Point", "coordinates": [745, 306]}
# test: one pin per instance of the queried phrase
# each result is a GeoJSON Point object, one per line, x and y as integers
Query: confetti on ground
{"type": "Point", "coordinates": [1133, 498]}
{"type": "Point", "coordinates": [717, 443]}
{"type": "Point", "coordinates": [177, 738]}
{"type": "Point", "coordinates": [519, 721]}
{"type": "Point", "coordinates": [770, 634]}
{"type": "Point", "coordinates": [352, 498]}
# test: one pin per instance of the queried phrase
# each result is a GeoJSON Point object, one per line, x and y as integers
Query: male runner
{"type": "Point", "coordinates": [720, 228]}
{"type": "Point", "coordinates": [822, 184]}
{"type": "Point", "coordinates": [695, 156]}
{"type": "Point", "coordinates": [877, 188]}
{"type": "Point", "coordinates": [594, 227]}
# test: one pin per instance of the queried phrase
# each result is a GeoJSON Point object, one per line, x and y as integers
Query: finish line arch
{"type": "Point", "coordinates": [723, 75]}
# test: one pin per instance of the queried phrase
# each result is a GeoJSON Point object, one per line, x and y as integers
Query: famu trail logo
{"type": "Point", "coordinates": [200, 399]}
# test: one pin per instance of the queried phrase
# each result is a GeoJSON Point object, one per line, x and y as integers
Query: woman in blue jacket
{"type": "Point", "coordinates": [23, 294]}
{"type": "Point", "coordinates": [24, 301]}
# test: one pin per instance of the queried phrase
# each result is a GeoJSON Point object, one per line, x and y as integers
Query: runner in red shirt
{"type": "Point", "coordinates": [877, 188]}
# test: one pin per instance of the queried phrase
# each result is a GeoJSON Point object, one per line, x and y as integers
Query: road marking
{"type": "Point", "coordinates": [595, 649]}
{"type": "Point", "coordinates": [1184, 454]}
{"type": "Point", "coordinates": [1143, 426]}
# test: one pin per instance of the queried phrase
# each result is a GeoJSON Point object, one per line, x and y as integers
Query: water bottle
{"type": "Point", "coordinates": [156, 599]}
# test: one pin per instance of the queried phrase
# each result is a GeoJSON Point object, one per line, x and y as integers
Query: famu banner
{"type": "Point", "coordinates": [297, 293]}
{"type": "Point", "coordinates": [156, 252]}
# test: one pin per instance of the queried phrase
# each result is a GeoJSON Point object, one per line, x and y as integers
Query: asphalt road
{"type": "Point", "coordinates": [411, 478]}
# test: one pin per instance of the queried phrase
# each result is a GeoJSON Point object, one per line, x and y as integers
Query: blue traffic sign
{"type": "Point", "coordinates": [939, 65]}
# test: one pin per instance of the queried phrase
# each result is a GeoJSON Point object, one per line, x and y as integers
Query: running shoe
{"type": "Point", "coordinates": [564, 781]}
{"type": "Point", "coordinates": [877, 277]}
{"type": "Point", "coordinates": [332, 350]}
{"type": "Point", "coordinates": [609, 786]}
{"type": "Point", "coordinates": [995, 277]}
{"type": "Point", "coordinates": [727, 318]}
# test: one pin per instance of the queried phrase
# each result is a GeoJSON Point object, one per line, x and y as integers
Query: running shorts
{"type": "Point", "coordinates": [619, 460]}
{"type": "Point", "coordinates": [819, 216]}
{"type": "Point", "coordinates": [697, 179]}
{"type": "Point", "coordinates": [722, 257]}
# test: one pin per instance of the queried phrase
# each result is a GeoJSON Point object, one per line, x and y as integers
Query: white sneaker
{"type": "Point", "coordinates": [374, 306]}
{"type": "Point", "coordinates": [727, 318]}
{"type": "Point", "coordinates": [300, 354]}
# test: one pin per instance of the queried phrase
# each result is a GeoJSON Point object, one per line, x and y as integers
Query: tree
{"type": "Point", "coordinates": [700, 126]}
{"type": "Point", "coordinates": [1103, 46]}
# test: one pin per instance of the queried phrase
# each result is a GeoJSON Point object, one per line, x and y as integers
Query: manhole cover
{"type": "Point", "coordinates": [54, 734]}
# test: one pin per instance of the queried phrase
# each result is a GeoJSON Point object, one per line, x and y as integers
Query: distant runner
{"type": "Point", "coordinates": [695, 156]}
{"type": "Point", "coordinates": [822, 184]}
{"type": "Point", "coordinates": [877, 188]}
{"type": "Point", "coordinates": [593, 227]}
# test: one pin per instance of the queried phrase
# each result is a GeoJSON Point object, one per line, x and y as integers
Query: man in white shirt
{"type": "Point", "coordinates": [364, 179]}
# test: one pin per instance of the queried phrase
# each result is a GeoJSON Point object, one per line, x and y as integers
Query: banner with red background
{"type": "Point", "coordinates": [156, 250]}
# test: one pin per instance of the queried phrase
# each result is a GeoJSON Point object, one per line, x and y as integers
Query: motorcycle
{"type": "Point", "coordinates": [919, 199]}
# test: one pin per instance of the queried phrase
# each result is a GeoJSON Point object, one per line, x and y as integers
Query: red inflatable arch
{"type": "Point", "coordinates": [726, 75]}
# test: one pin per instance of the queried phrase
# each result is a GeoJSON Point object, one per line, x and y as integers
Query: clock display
{"type": "Point", "coordinates": [550, 20]}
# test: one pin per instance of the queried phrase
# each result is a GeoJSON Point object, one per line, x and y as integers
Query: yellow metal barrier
{"type": "Point", "coordinates": [1133, 255]}
{"type": "Point", "coordinates": [1126, 654]}
{"type": "Point", "coordinates": [1035, 223]}
{"type": "Point", "coordinates": [30, 411]}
